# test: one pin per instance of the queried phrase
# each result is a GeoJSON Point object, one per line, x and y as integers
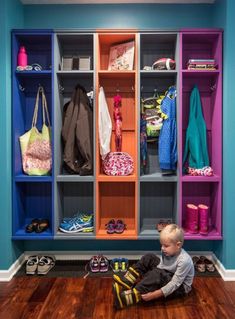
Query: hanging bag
{"type": "Point", "coordinates": [36, 146]}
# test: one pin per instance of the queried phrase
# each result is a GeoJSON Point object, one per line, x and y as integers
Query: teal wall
{"type": "Point", "coordinates": [225, 249]}
{"type": "Point", "coordinates": [117, 16]}
{"type": "Point", "coordinates": [11, 16]}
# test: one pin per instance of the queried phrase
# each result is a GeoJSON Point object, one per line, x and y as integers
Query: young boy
{"type": "Point", "coordinates": [149, 279]}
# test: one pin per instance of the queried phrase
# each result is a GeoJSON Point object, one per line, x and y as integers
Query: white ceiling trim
{"type": "Point", "coordinates": [116, 1]}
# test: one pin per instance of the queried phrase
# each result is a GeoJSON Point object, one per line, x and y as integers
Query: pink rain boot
{"type": "Point", "coordinates": [203, 211]}
{"type": "Point", "coordinates": [192, 219]}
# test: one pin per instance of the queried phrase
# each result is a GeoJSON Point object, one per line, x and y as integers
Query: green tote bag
{"type": "Point", "coordinates": [35, 145]}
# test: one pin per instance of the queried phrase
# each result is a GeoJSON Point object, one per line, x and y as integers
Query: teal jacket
{"type": "Point", "coordinates": [196, 144]}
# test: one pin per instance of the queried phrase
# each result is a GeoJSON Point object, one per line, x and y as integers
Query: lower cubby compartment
{"type": "Point", "coordinates": [116, 200]}
{"type": "Point", "coordinates": [158, 203]}
{"type": "Point", "coordinates": [73, 198]}
{"type": "Point", "coordinates": [206, 193]}
{"type": "Point", "coordinates": [32, 200]}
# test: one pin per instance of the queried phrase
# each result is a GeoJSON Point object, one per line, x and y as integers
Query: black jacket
{"type": "Point", "coordinates": [77, 134]}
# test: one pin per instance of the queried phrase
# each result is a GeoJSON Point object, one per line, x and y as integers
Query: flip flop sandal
{"type": "Point", "coordinates": [32, 265]}
{"type": "Point", "coordinates": [42, 226]}
{"type": "Point", "coordinates": [32, 226]}
{"type": "Point", "coordinates": [208, 263]}
{"type": "Point", "coordinates": [45, 264]}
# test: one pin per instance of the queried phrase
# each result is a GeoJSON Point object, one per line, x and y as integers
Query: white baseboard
{"type": "Point", "coordinates": [226, 274]}
{"type": "Point", "coordinates": [6, 275]}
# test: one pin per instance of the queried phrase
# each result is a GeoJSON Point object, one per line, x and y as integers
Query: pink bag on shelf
{"type": "Point", "coordinates": [118, 164]}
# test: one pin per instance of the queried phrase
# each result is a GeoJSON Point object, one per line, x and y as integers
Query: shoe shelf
{"type": "Point", "coordinates": [157, 201]}
{"type": "Point", "coordinates": [72, 198]}
{"type": "Point", "coordinates": [208, 194]}
{"type": "Point", "coordinates": [32, 200]}
{"type": "Point", "coordinates": [118, 201]}
{"type": "Point", "coordinates": [147, 197]}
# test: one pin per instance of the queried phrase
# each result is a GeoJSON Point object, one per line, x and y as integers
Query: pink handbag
{"type": "Point", "coordinates": [118, 164]}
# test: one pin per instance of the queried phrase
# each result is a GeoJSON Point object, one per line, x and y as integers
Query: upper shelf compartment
{"type": "Point", "coordinates": [157, 46]}
{"type": "Point", "coordinates": [202, 46]}
{"type": "Point", "coordinates": [122, 47]}
{"type": "Point", "coordinates": [38, 48]}
{"type": "Point", "coordinates": [74, 52]}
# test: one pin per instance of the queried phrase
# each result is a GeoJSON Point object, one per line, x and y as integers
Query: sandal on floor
{"type": "Point", "coordinates": [195, 259]}
{"type": "Point", "coordinates": [32, 265]}
{"type": "Point", "coordinates": [200, 266]}
{"type": "Point", "coordinates": [42, 226]}
{"type": "Point", "coordinates": [46, 263]}
{"type": "Point", "coordinates": [32, 226]}
{"type": "Point", "coordinates": [208, 263]}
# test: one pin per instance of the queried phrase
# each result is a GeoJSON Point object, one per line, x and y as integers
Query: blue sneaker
{"type": "Point", "coordinates": [77, 217]}
{"type": "Point", "coordinates": [77, 225]}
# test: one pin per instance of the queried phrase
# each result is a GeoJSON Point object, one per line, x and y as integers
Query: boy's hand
{"type": "Point", "coordinates": [152, 295]}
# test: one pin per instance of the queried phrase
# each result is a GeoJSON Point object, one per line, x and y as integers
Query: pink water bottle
{"type": "Point", "coordinates": [22, 58]}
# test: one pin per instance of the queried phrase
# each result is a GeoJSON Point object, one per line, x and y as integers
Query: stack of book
{"type": "Point", "coordinates": [201, 64]}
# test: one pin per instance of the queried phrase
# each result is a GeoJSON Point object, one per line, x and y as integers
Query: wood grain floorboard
{"type": "Point", "coordinates": [91, 298]}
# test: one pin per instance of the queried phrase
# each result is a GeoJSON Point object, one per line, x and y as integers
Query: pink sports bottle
{"type": "Point", "coordinates": [192, 219]}
{"type": "Point", "coordinates": [22, 58]}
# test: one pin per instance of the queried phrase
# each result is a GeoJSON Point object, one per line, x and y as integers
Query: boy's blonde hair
{"type": "Point", "coordinates": [173, 232]}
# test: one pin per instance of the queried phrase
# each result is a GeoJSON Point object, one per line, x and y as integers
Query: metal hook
{"type": "Point", "coordinates": [21, 88]}
{"type": "Point", "coordinates": [117, 89]}
{"type": "Point", "coordinates": [61, 88]}
{"type": "Point", "coordinates": [213, 87]}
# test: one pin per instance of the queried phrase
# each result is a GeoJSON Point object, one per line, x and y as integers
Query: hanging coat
{"type": "Point", "coordinates": [195, 143]}
{"type": "Point", "coordinates": [77, 134]}
{"type": "Point", "coordinates": [167, 145]}
{"type": "Point", "coordinates": [104, 124]}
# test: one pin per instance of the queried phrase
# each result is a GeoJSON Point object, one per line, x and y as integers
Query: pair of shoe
{"type": "Point", "coordinates": [37, 225]}
{"type": "Point", "coordinates": [203, 264]}
{"type": "Point", "coordinates": [39, 264]}
{"type": "Point", "coordinates": [124, 298]}
{"type": "Point", "coordinates": [124, 292]}
{"type": "Point", "coordinates": [119, 264]}
{"type": "Point", "coordinates": [99, 264]}
{"type": "Point", "coordinates": [197, 219]}
{"type": "Point", "coordinates": [115, 226]}
{"type": "Point", "coordinates": [81, 222]}
{"type": "Point", "coordinates": [162, 224]}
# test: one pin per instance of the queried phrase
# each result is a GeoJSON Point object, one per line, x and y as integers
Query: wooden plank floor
{"type": "Point", "coordinates": [91, 298]}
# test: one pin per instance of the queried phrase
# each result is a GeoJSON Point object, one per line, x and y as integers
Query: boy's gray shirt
{"type": "Point", "coordinates": [182, 267]}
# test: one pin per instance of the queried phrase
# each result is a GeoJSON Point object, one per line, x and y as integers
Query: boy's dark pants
{"type": "Point", "coordinates": [154, 278]}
